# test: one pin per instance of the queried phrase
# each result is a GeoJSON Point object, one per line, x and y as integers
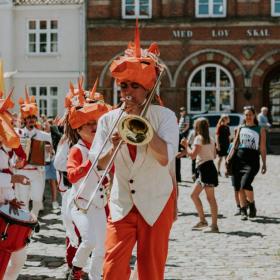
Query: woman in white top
{"type": "Point", "coordinates": [204, 151]}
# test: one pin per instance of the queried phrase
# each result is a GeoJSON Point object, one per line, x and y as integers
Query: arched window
{"type": "Point", "coordinates": [210, 88]}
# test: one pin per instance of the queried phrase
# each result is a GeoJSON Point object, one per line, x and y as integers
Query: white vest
{"type": "Point", "coordinates": [143, 183]}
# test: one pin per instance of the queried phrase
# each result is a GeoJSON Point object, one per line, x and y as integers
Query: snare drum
{"type": "Point", "coordinates": [15, 231]}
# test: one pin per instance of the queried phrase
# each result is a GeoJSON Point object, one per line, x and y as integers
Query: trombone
{"type": "Point", "coordinates": [133, 129]}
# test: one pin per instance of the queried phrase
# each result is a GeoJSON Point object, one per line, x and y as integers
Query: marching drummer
{"type": "Point", "coordinates": [142, 198]}
{"type": "Point", "coordinates": [81, 122]}
{"type": "Point", "coordinates": [9, 141]}
{"type": "Point", "coordinates": [35, 171]}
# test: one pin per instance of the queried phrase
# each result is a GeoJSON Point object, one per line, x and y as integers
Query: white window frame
{"type": "Point", "coordinates": [137, 10]}
{"type": "Point", "coordinates": [37, 31]}
{"type": "Point", "coordinates": [203, 88]}
{"type": "Point", "coordinates": [47, 97]}
{"type": "Point", "coordinates": [210, 13]}
{"type": "Point", "coordinates": [273, 5]}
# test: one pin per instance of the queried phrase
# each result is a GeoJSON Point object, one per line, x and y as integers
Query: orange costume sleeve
{"type": "Point", "coordinates": [76, 169]}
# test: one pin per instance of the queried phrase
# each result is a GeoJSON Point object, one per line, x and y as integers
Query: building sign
{"type": "Point", "coordinates": [223, 33]}
{"type": "Point", "coordinates": [258, 32]}
{"type": "Point", "coordinates": [182, 34]}
{"type": "Point", "coordinates": [220, 33]}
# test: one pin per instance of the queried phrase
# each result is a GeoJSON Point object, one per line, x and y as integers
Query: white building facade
{"type": "Point", "coordinates": [42, 44]}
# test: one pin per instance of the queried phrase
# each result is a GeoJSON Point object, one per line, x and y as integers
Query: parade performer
{"type": "Point", "coordinates": [142, 195]}
{"type": "Point", "coordinates": [81, 124]}
{"type": "Point", "coordinates": [9, 142]}
{"type": "Point", "coordinates": [35, 171]}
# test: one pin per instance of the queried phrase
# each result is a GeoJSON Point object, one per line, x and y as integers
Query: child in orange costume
{"type": "Point", "coordinates": [84, 112]}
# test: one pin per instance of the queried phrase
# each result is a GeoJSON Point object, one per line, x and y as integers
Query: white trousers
{"type": "Point", "coordinates": [16, 263]}
{"type": "Point", "coordinates": [34, 191]}
{"type": "Point", "coordinates": [67, 219]}
{"type": "Point", "coordinates": [92, 228]}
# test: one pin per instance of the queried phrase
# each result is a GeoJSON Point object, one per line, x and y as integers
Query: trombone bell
{"type": "Point", "coordinates": [135, 130]}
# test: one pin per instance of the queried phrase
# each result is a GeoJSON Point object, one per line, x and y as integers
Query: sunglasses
{"type": "Point", "coordinates": [251, 108]}
{"type": "Point", "coordinates": [133, 85]}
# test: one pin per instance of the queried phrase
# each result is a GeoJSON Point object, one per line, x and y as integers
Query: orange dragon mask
{"type": "Point", "coordinates": [8, 136]}
{"type": "Point", "coordinates": [84, 106]}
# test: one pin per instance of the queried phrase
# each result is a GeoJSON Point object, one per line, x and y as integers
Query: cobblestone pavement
{"type": "Point", "coordinates": [244, 250]}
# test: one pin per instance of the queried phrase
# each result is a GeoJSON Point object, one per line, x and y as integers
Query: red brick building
{"type": "Point", "coordinates": [220, 54]}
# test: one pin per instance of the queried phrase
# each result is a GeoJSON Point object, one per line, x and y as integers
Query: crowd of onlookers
{"type": "Point", "coordinates": [241, 154]}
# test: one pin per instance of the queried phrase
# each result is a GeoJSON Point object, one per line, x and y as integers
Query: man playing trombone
{"type": "Point", "coordinates": [143, 195]}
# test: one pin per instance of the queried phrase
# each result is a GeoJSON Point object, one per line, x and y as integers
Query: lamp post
{"type": "Point", "coordinates": [247, 86]}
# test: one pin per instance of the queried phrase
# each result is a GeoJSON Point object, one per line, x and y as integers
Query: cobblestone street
{"type": "Point", "coordinates": [244, 250]}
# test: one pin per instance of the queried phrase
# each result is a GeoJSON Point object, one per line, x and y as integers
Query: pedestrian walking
{"type": "Point", "coordinates": [263, 122]}
{"type": "Point", "coordinates": [184, 124]}
{"type": "Point", "coordinates": [204, 151]}
{"type": "Point", "coordinates": [222, 140]}
{"type": "Point", "coordinates": [251, 144]}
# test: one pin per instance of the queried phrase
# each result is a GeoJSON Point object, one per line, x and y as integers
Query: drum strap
{"type": "Point", "coordinates": [6, 170]}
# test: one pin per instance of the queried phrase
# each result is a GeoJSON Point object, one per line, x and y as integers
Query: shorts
{"type": "Point", "coordinates": [50, 171]}
{"type": "Point", "coordinates": [207, 174]}
{"type": "Point", "coordinates": [245, 168]}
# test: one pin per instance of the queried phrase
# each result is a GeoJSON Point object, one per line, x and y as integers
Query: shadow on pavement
{"type": "Point", "coordinates": [185, 184]}
{"type": "Point", "coordinates": [246, 234]}
{"type": "Point", "coordinates": [183, 214]}
{"type": "Point", "coordinates": [50, 262]}
{"type": "Point", "coordinates": [37, 277]}
{"type": "Point", "coordinates": [48, 239]}
{"type": "Point", "coordinates": [266, 220]}
{"type": "Point", "coordinates": [172, 265]}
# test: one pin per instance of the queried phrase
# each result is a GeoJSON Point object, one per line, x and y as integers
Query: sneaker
{"type": "Point", "coordinates": [252, 210]}
{"type": "Point", "coordinates": [76, 273]}
{"type": "Point", "coordinates": [55, 205]}
{"type": "Point", "coordinates": [243, 213]}
{"type": "Point", "coordinates": [200, 225]}
{"type": "Point", "coordinates": [212, 229]}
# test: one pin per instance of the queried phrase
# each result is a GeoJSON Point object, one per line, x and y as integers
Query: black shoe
{"type": "Point", "coordinates": [37, 228]}
{"type": "Point", "coordinates": [243, 213]}
{"type": "Point", "coordinates": [238, 211]}
{"type": "Point", "coordinates": [252, 210]}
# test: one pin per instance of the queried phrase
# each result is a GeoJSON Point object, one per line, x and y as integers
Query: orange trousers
{"type": "Point", "coordinates": [152, 244]}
